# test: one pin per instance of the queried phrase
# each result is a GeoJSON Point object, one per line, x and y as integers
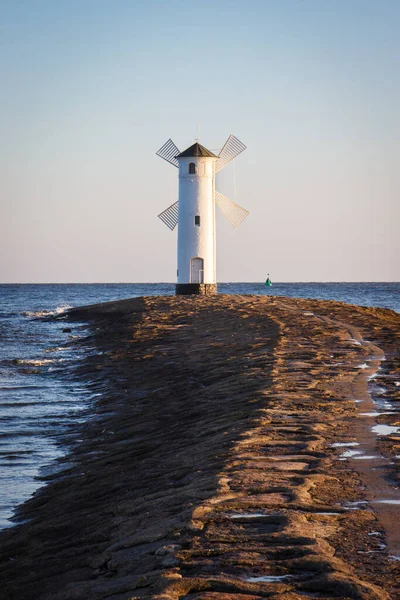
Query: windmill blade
{"type": "Point", "coordinates": [170, 216]}
{"type": "Point", "coordinates": [231, 149]}
{"type": "Point", "coordinates": [232, 211]}
{"type": "Point", "coordinates": [168, 152]}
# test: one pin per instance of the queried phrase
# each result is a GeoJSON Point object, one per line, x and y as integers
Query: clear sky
{"type": "Point", "coordinates": [90, 89]}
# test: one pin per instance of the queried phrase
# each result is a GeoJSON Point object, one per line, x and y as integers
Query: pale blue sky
{"type": "Point", "coordinates": [91, 89]}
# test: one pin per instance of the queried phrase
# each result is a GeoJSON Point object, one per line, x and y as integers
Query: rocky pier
{"type": "Point", "coordinates": [233, 450]}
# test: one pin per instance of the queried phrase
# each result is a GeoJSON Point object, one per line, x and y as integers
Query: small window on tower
{"type": "Point", "coordinates": [197, 220]}
{"type": "Point", "coordinates": [192, 169]}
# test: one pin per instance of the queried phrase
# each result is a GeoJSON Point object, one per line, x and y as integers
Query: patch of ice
{"type": "Point", "coordinates": [269, 578]}
{"type": "Point", "coordinates": [351, 453]}
{"type": "Point", "coordinates": [379, 390]}
{"type": "Point", "coordinates": [344, 444]}
{"type": "Point", "coordinates": [385, 429]}
{"type": "Point", "coordinates": [327, 513]}
{"type": "Point", "coordinates": [246, 515]}
{"type": "Point", "coordinates": [385, 405]}
{"type": "Point", "coordinates": [357, 505]}
{"type": "Point", "coordinates": [366, 457]}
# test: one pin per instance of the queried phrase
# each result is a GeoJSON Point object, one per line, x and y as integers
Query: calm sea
{"type": "Point", "coordinates": [39, 398]}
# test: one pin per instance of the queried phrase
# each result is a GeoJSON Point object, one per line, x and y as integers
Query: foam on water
{"type": "Point", "coordinates": [59, 310]}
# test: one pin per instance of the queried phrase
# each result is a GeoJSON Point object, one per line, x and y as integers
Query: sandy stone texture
{"type": "Point", "coordinates": [213, 462]}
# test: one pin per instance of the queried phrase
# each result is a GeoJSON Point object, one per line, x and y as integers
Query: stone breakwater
{"type": "Point", "coordinates": [217, 461]}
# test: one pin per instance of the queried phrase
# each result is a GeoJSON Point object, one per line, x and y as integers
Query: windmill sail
{"type": "Point", "coordinates": [169, 152]}
{"type": "Point", "coordinates": [170, 216]}
{"type": "Point", "coordinates": [232, 211]}
{"type": "Point", "coordinates": [231, 149]}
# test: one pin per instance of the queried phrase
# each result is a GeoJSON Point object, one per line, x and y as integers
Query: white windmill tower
{"type": "Point", "coordinates": [194, 213]}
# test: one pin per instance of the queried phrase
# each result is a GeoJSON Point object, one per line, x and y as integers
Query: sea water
{"type": "Point", "coordinates": [40, 399]}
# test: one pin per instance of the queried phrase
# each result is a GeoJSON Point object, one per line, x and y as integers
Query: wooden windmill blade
{"type": "Point", "coordinates": [169, 216]}
{"type": "Point", "coordinates": [169, 152]}
{"type": "Point", "coordinates": [230, 150]}
{"type": "Point", "coordinates": [235, 213]}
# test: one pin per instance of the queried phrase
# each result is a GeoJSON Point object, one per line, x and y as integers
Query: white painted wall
{"type": "Point", "coordinates": [196, 197]}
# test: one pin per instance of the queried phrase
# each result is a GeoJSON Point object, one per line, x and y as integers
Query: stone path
{"type": "Point", "coordinates": [214, 466]}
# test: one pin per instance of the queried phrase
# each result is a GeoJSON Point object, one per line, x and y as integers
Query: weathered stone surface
{"type": "Point", "coordinates": [207, 462]}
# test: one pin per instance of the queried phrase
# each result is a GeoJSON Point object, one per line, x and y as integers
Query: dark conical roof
{"type": "Point", "coordinates": [196, 150]}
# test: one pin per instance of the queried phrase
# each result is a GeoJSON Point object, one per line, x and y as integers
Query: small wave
{"type": "Point", "coordinates": [40, 362]}
{"type": "Point", "coordinates": [34, 362]}
{"type": "Point", "coordinates": [33, 403]}
{"type": "Point", "coordinates": [58, 349]}
{"type": "Point", "coordinates": [19, 453]}
{"type": "Point", "coordinates": [9, 388]}
{"type": "Point", "coordinates": [26, 433]}
{"type": "Point", "coordinates": [63, 308]}
{"type": "Point", "coordinates": [14, 456]}
{"type": "Point", "coordinates": [37, 314]}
